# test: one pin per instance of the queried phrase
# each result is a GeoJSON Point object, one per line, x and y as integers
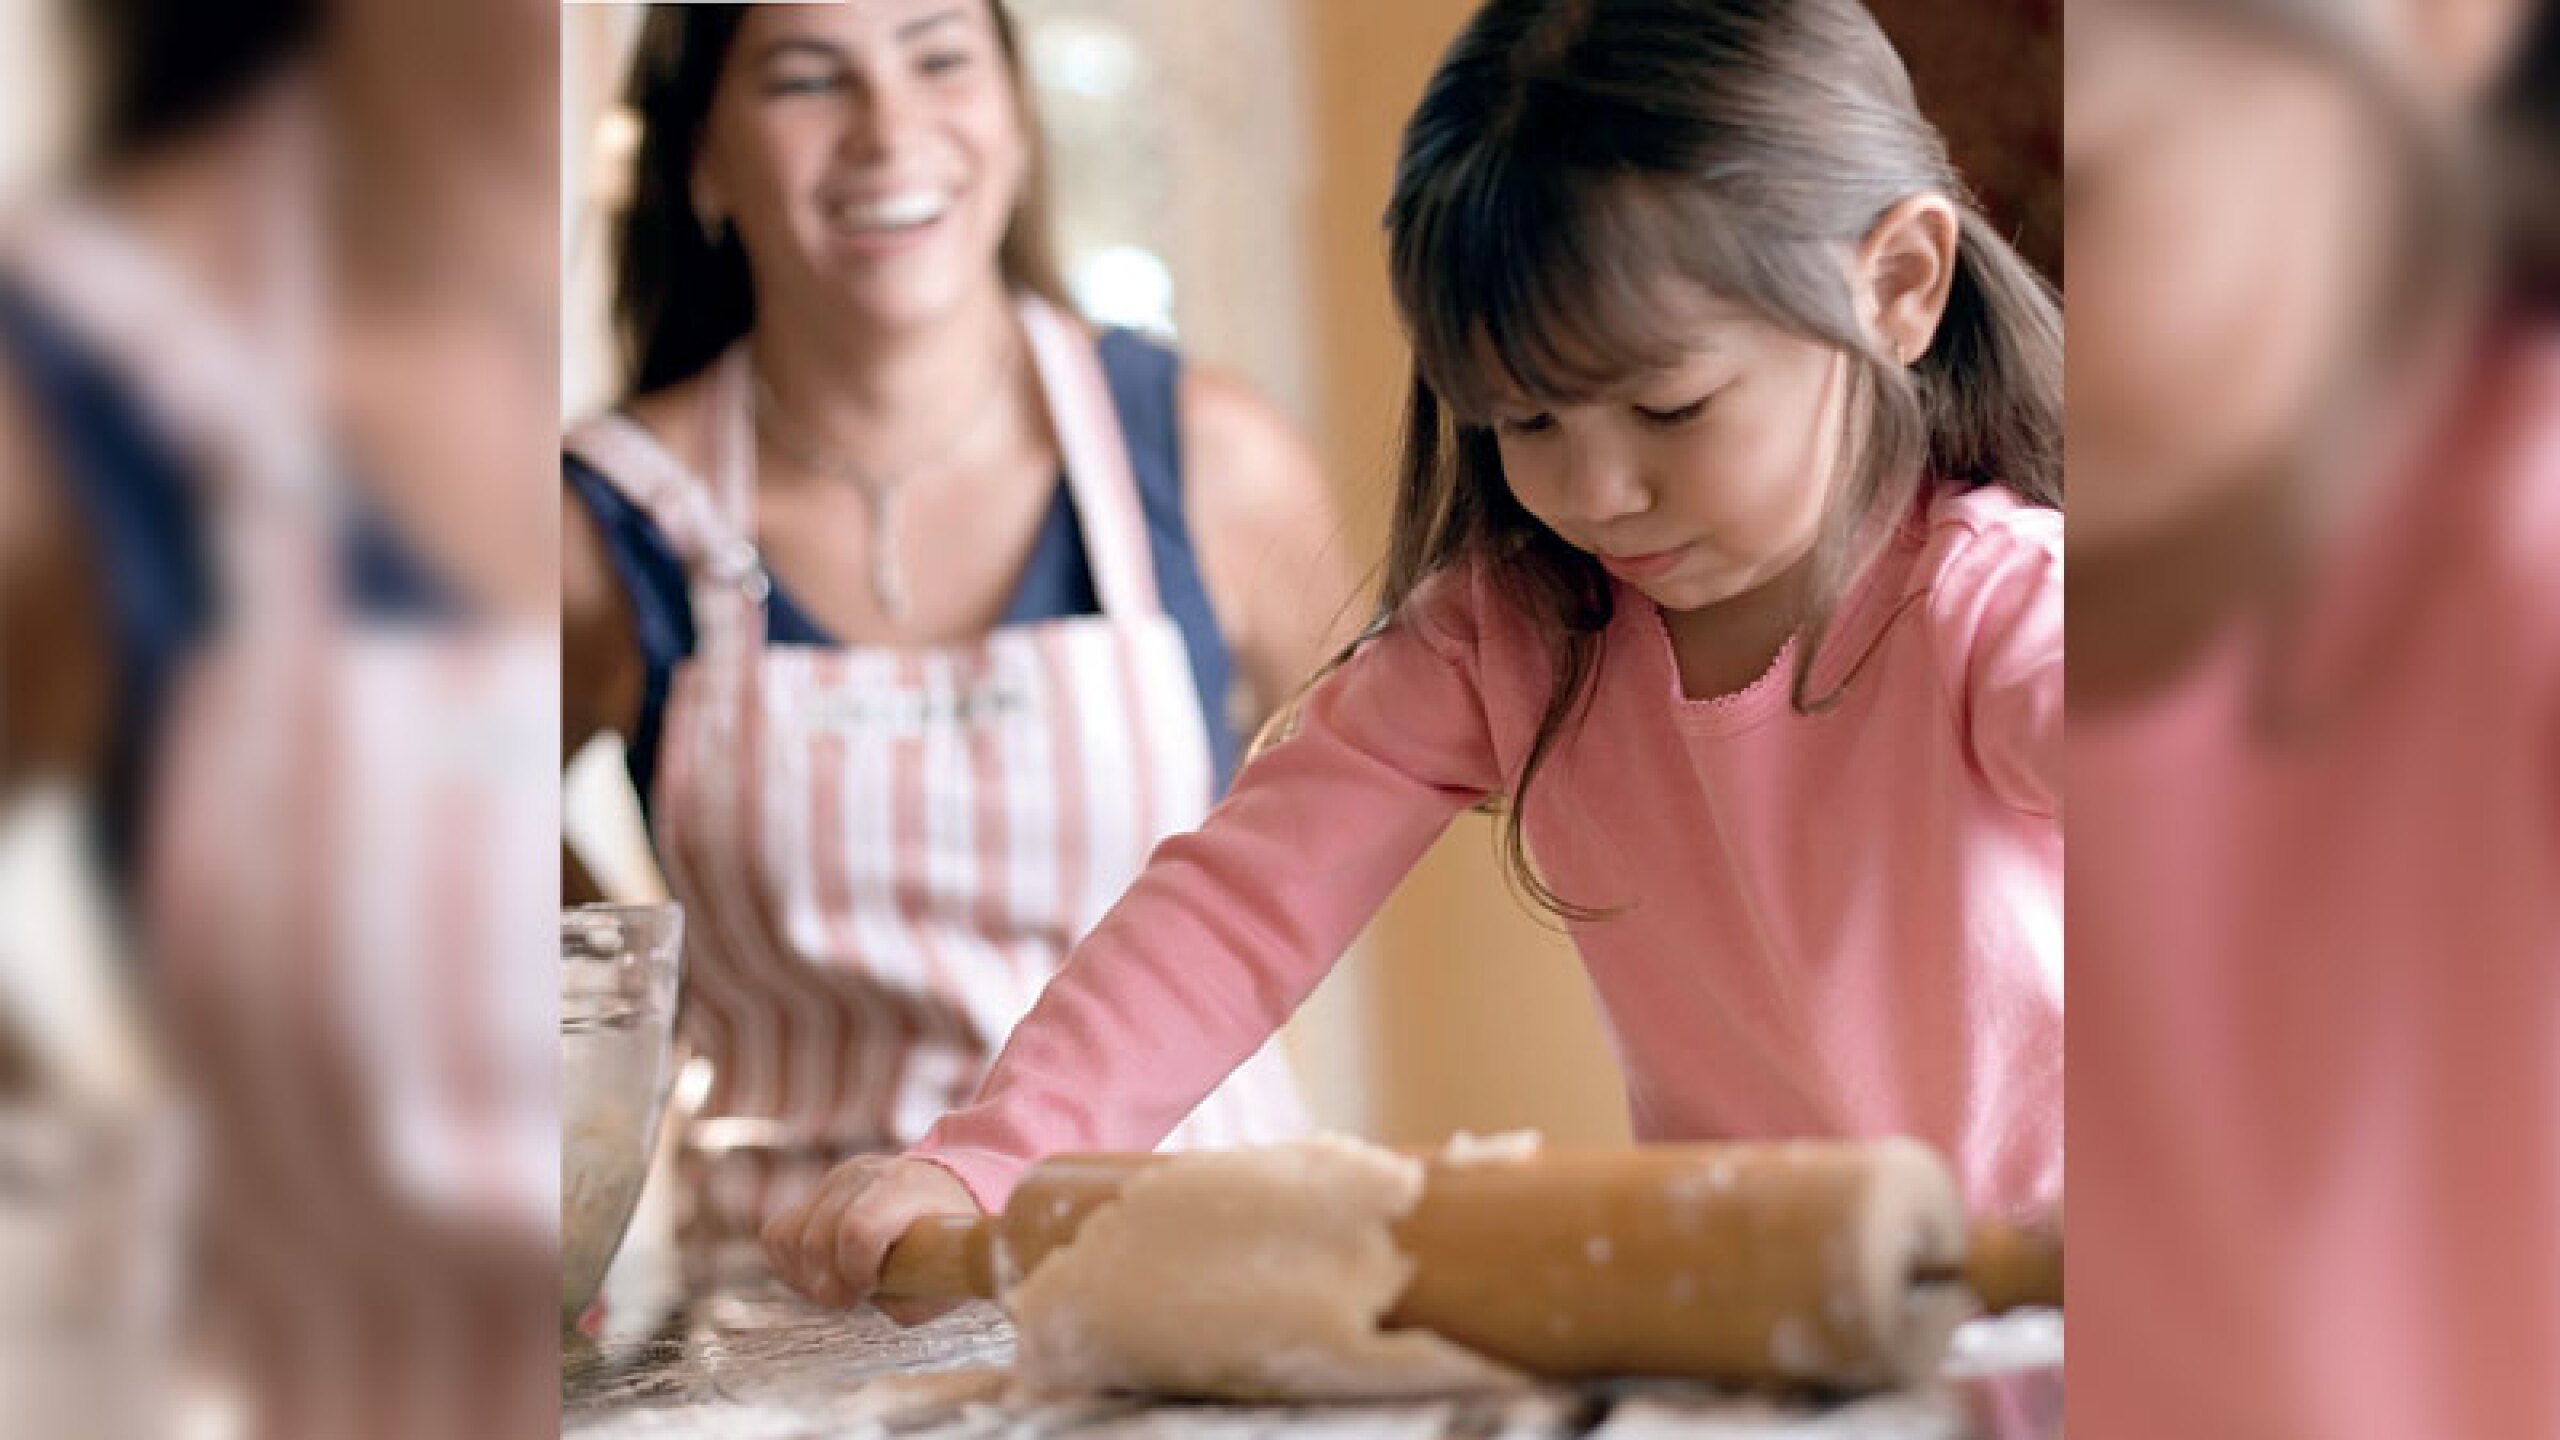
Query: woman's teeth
{"type": "Point", "coordinates": [904, 211]}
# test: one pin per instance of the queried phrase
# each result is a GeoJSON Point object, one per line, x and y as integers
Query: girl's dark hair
{"type": "Point", "coordinates": [683, 298]}
{"type": "Point", "coordinates": [156, 69]}
{"type": "Point", "coordinates": [1571, 155]}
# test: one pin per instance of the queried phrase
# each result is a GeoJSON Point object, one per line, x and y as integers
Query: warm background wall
{"type": "Point", "coordinates": [1476, 1016]}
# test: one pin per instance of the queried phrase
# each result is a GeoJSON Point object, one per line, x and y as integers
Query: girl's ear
{"type": "Point", "coordinates": [1902, 273]}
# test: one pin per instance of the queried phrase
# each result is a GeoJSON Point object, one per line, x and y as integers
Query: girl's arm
{"type": "Point", "coordinates": [1229, 927]}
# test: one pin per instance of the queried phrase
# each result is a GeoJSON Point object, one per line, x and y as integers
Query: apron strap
{"type": "Point", "coordinates": [731, 427]}
{"type": "Point", "coordinates": [728, 583]}
{"type": "Point", "coordinates": [241, 403]}
{"type": "Point", "coordinates": [639, 465]}
{"type": "Point", "coordinates": [1097, 460]}
{"type": "Point", "coordinates": [237, 402]}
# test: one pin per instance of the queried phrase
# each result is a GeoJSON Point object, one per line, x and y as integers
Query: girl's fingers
{"type": "Point", "coordinates": [831, 1247]}
{"type": "Point", "coordinates": [791, 1238]}
{"type": "Point", "coordinates": [781, 1234]}
{"type": "Point", "coordinates": [864, 1232]}
{"type": "Point", "coordinates": [831, 1282]}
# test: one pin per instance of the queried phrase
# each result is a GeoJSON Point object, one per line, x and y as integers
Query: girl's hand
{"type": "Point", "coordinates": [830, 1246]}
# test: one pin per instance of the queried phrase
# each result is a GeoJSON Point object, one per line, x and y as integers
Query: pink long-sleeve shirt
{"type": "Point", "coordinates": [2317, 1081]}
{"type": "Point", "coordinates": [1840, 924]}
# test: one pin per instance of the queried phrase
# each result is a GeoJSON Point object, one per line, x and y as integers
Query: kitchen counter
{"type": "Point", "coordinates": [742, 1359]}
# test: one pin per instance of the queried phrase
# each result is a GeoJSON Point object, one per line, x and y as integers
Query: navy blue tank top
{"type": "Point", "coordinates": [1056, 581]}
{"type": "Point", "coordinates": [139, 510]}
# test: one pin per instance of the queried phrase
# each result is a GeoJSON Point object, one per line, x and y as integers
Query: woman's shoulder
{"type": "Point", "coordinates": [614, 555]}
{"type": "Point", "coordinates": [1229, 425]}
{"type": "Point", "coordinates": [1249, 467]}
{"type": "Point", "coordinates": [1263, 521]}
{"type": "Point", "coordinates": [671, 421]}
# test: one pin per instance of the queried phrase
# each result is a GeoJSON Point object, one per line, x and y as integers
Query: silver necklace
{"type": "Point", "coordinates": [880, 491]}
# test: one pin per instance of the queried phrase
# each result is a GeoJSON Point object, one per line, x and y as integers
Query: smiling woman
{"type": "Point", "coordinates": [917, 601]}
{"type": "Point", "coordinates": [739, 127]}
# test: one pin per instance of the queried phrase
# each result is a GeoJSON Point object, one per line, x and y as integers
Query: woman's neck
{"type": "Point", "coordinates": [441, 201]}
{"type": "Point", "coordinates": [848, 383]}
{"type": "Point", "coordinates": [220, 207]}
{"type": "Point", "coordinates": [430, 214]}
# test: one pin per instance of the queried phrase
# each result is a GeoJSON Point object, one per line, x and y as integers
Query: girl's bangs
{"type": "Point", "coordinates": [1541, 290]}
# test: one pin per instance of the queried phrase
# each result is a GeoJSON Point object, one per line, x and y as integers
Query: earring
{"type": "Point", "coordinates": [715, 226]}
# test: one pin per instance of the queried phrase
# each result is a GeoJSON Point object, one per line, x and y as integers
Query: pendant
{"type": "Point", "coordinates": [888, 575]}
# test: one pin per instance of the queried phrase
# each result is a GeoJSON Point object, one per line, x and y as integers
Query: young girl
{"type": "Point", "coordinates": [1726, 557]}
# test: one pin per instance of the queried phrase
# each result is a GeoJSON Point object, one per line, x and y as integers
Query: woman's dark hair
{"type": "Point", "coordinates": [682, 297]}
{"type": "Point", "coordinates": [156, 69]}
{"type": "Point", "coordinates": [2525, 128]}
{"type": "Point", "coordinates": [1565, 159]}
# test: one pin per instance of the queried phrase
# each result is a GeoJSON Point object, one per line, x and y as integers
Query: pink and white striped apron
{"type": "Point", "coordinates": [885, 853]}
{"type": "Point", "coordinates": [349, 890]}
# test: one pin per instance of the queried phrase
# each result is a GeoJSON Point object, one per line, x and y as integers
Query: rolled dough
{"type": "Point", "coordinates": [1245, 1275]}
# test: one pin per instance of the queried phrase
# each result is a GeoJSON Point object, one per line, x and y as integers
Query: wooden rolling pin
{"type": "Point", "coordinates": [1844, 1265]}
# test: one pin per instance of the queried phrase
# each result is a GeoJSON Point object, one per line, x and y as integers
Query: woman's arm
{"type": "Point", "coordinates": [602, 675]}
{"type": "Point", "coordinates": [1269, 537]}
{"type": "Point", "coordinates": [55, 677]}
